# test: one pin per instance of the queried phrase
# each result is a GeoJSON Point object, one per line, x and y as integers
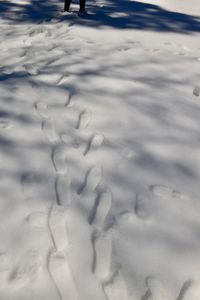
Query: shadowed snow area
{"type": "Point", "coordinates": [99, 150]}
{"type": "Point", "coordinates": [126, 14]}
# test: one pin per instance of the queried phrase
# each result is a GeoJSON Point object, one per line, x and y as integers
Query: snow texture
{"type": "Point", "coordinates": [99, 150]}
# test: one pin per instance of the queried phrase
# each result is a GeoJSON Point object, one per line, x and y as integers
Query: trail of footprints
{"type": "Point", "coordinates": [60, 272]}
{"type": "Point", "coordinates": [111, 281]}
{"type": "Point", "coordinates": [58, 267]}
{"type": "Point", "coordinates": [101, 238]}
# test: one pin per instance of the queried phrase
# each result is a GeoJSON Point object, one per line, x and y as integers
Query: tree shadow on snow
{"type": "Point", "coordinates": [121, 14]}
{"type": "Point", "coordinates": [124, 14]}
{"type": "Point", "coordinates": [32, 11]}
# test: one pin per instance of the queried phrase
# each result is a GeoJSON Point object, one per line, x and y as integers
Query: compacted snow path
{"type": "Point", "coordinates": [99, 157]}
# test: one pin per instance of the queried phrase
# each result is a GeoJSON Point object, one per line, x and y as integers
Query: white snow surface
{"type": "Point", "coordinates": [100, 151]}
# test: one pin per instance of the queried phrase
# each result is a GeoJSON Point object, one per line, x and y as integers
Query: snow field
{"type": "Point", "coordinates": [99, 134]}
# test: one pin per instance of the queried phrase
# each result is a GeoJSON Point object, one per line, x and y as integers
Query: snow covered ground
{"type": "Point", "coordinates": [181, 6]}
{"type": "Point", "coordinates": [99, 151]}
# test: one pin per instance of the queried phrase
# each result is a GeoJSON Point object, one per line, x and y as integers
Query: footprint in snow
{"type": "Point", "coordinates": [155, 289]}
{"type": "Point", "coordinates": [57, 227]}
{"type": "Point", "coordinates": [95, 142]}
{"type": "Point", "coordinates": [48, 122]}
{"type": "Point", "coordinates": [59, 159]}
{"type": "Point", "coordinates": [142, 210]}
{"type": "Point", "coordinates": [163, 191]}
{"type": "Point", "coordinates": [68, 102]}
{"type": "Point", "coordinates": [102, 244]}
{"type": "Point", "coordinates": [42, 109]}
{"type": "Point", "coordinates": [190, 290]}
{"type": "Point", "coordinates": [101, 209]}
{"type": "Point", "coordinates": [26, 271]}
{"type": "Point", "coordinates": [48, 127]}
{"type": "Point", "coordinates": [60, 274]}
{"type": "Point", "coordinates": [84, 119]}
{"type": "Point", "coordinates": [92, 180]}
{"type": "Point", "coordinates": [187, 291]}
{"type": "Point", "coordinates": [115, 288]}
{"type": "Point", "coordinates": [63, 190]}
